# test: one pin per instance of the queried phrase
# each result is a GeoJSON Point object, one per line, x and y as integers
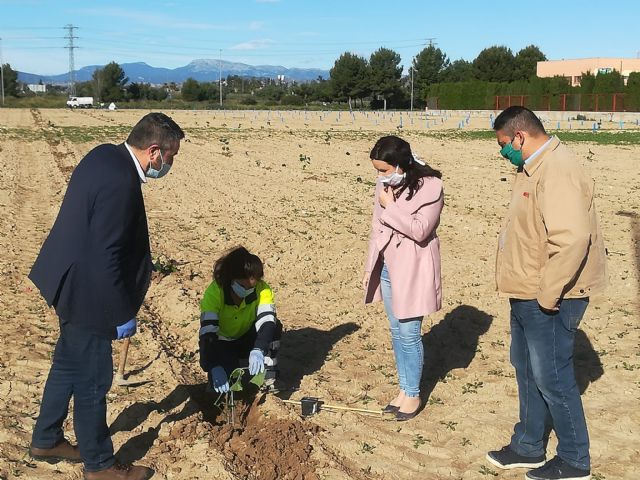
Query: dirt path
{"type": "Point", "coordinates": [32, 189]}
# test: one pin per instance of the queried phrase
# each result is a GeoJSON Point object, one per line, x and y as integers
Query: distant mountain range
{"type": "Point", "coordinates": [202, 70]}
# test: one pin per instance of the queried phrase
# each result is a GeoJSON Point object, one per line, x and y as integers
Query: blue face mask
{"type": "Point", "coordinates": [240, 291]}
{"type": "Point", "coordinates": [164, 169]}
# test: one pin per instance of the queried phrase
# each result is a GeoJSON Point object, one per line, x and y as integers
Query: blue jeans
{"type": "Point", "coordinates": [82, 368]}
{"type": "Point", "coordinates": [407, 342]}
{"type": "Point", "coordinates": [542, 354]}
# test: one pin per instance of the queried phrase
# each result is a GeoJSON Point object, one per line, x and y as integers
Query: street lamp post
{"type": "Point", "coordinates": [220, 77]}
{"type": "Point", "coordinates": [411, 88]}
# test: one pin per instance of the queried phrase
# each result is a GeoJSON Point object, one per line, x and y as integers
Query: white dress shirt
{"type": "Point", "coordinates": [143, 178]}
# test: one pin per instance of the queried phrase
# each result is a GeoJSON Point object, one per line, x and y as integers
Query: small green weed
{"type": "Point", "coordinates": [472, 387]}
{"type": "Point", "coordinates": [367, 448]}
{"type": "Point", "coordinates": [419, 440]}
{"type": "Point", "coordinates": [487, 471]}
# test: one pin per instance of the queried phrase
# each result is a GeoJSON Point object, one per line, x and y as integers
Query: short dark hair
{"type": "Point", "coordinates": [155, 129]}
{"type": "Point", "coordinates": [237, 263]}
{"type": "Point", "coordinates": [397, 152]}
{"type": "Point", "coordinates": [518, 118]}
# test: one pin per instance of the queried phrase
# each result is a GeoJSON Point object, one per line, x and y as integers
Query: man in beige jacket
{"type": "Point", "coordinates": [550, 259]}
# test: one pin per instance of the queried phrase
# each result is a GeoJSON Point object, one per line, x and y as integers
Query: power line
{"type": "Point", "coordinates": [189, 48]}
{"type": "Point", "coordinates": [28, 28]}
{"type": "Point", "coordinates": [31, 37]}
{"type": "Point", "coordinates": [189, 43]}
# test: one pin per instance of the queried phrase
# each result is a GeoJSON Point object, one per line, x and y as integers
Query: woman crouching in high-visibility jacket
{"type": "Point", "coordinates": [238, 320]}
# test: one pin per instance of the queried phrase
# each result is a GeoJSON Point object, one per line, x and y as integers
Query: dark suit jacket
{"type": "Point", "coordinates": [95, 265]}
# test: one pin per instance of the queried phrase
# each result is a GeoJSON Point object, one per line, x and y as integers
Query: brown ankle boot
{"type": "Point", "coordinates": [121, 472]}
{"type": "Point", "coordinates": [62, 451]}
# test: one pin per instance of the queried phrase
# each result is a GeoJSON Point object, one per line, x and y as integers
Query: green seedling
{"type": "Point", "coordinates": [305, 160]}
{"type": "Point", "coordinates": [258, 379]}
{"type": "Point", "coordinates": [165, 265]}
{"type": "Point", "coordinates": [450, 425]}
{"type": "Point", "coordinates": [332, 356]}
{"type": "Point", "coordinates": [447, 377]}
{"type": "Point", "coordinates": [419, 440]}
{"type": "Point", "coordinates": [226, 150]}
{"type": "Point", "coordinates": [226, 399]}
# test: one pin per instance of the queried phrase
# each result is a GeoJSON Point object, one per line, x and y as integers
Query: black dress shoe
{"type": "Point", "coordinates": [390, 409]}
{"type": "Point", "coordinates": [403, 417]}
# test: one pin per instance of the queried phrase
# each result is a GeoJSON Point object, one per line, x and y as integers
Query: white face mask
{"type": "Point", "coordinates": [392, 180]}
{"type": "Point", "coordinates": [240, 291]}
{"type": "Point", "coordinates": [164, 169]}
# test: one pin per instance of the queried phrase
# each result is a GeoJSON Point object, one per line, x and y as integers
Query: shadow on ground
{"type": "Point", "coordinates": [304, 351]}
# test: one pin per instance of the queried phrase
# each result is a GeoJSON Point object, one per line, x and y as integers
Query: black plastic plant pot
{"type": "Point", "coordinates": [310, 406]}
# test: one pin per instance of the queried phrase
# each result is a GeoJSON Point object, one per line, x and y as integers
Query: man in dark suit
{"type": "Point", "coordinates": [95, 268]}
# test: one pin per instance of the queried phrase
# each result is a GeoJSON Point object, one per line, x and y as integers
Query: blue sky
{"type": "Point", "coordinates": [305, 33]}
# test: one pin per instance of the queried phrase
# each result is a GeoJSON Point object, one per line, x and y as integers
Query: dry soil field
{"type": "Point", "coordinates": [296, 189]}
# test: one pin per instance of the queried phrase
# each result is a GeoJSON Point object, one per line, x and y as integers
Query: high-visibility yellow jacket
{"type": "Point", "coordinates": [228, 321]}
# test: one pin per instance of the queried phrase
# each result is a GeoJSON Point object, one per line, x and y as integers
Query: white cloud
{"type": "Point", "coordinates": [253, 44]}
{"type": "Point", "coordinates": [256, 25]}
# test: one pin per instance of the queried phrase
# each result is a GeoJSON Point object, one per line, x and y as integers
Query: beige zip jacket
{"type": "Point", "coordinates": [550, 246]}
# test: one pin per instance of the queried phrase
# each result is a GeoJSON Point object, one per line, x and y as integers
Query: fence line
{"type": "Point", "coordinates": [563, 102]}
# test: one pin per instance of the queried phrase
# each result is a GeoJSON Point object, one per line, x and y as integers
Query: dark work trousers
{"type": "Point", "coordinates": [229, 353]}
{"type": "Point", "coordinates": [82, 368]}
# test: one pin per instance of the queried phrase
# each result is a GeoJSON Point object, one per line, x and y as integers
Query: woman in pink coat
{"type": "Point", "coordinates": [403, 263]}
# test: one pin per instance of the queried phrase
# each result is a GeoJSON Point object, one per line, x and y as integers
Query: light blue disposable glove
{"type": "Point", "coordinates": [256, 361]}
{"type": "Point", "coordinates": [219, 380]}
{"type": "Point", "coordinates": [127, 330]}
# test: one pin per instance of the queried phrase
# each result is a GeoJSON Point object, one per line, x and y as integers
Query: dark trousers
{"type": "Point", "coordinates": [82, 368]}
{"type": "Point", "coordinates": [229, 353]}
{"type": "Point", "coordinates": [542, 354]}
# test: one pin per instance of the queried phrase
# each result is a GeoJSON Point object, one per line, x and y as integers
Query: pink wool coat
{"type": "Point", "coordinates": [403, 235]}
